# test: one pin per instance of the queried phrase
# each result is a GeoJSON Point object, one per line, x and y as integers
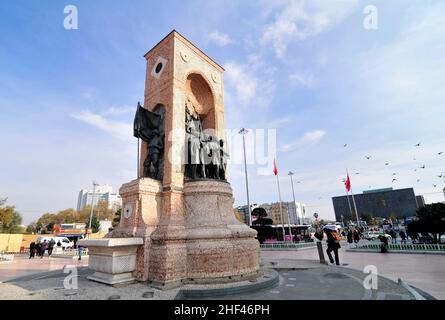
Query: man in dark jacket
{"type": "Point", "coordinates": [32, 250]}
{"type": "Point", "coordinates": [403, 236]}
{"type": "Point", "coordinates": [333, 246]}
{"type": "Point", "coordinates": [51, 244]}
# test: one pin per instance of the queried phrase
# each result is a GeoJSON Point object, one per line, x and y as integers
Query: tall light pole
{"type": "Point", "coordinates": [95, 184]}
{"type": "Point", "coordinates": [243, 132]}
{"type": "Point", "coordinates": [293, 195]}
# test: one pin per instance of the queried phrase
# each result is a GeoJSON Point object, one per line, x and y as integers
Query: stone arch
{"type": "Point", "coordinates": [200, 92]}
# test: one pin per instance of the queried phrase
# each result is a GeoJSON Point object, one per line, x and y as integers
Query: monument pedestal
{"type": "Point", "coordinates": [209, 245]}
{"type": "Point", "coordinates": [113, 260]}
{"type": "Point", "coordinates": [142, 199]}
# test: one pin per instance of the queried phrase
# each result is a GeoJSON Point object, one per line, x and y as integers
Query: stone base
{"type": "Point", "coordinates": [113, 260]}
{"type": "Point", "coordinates": [209, 245]}
{"type": "Point", "coordinates": [112, 279]}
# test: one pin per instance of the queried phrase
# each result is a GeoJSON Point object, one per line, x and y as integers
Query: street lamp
{"type": "Point", "coordinates": [293, 194]}
{"type": "Point", "coordinates": [243, 132]}
{"type": "Point", "coordinates": [95, 184]}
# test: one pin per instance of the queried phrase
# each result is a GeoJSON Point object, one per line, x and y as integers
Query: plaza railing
{"type": "Point", "coordinates": [402, 247]}
{"type": "Point", "coordinates": [288, 246]}
{"type": "Point", "coordinates": [6, 257]}
{"type": "Point", "coordinates": [69, 253]}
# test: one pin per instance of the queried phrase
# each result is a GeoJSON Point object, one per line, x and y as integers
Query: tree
{"type": "Point", "coordinates": [10, 220]}
{"type": "Point", "coordinates": [117, 218]}
{"type": "Point", "coordinates": [262, 225]}
{"type": "Point", "coordinates": [103, 212]}
{"type": "Point", "coordinates": [367, 217]}
{"type": "Point", "coordinates": [95, 224]}
{"type": "Point", "coordinates": [431, 220]}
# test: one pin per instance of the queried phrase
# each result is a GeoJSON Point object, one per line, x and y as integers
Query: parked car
{"type": "Point", "coordinates": [374, 235]}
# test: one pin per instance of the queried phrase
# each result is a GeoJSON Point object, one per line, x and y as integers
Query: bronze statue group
{"type": "Point", "coordinates": [206, 157]}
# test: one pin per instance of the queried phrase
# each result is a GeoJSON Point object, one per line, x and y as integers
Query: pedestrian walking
{"type": "Point", "coordinates": [403, 236]}
{"type": "Point", "coordinates": [38, 248]}
{"type": "Point", "coordinates": [79, 251]}
{"type": "Point", "coordinates": [51, 244]}
{"type": "Point", "coordinates": [32, 250]}
{"type": "Point", "coordinates": [356, 236]}
{"type": "Point", "coordinates": [384, 244]}
{"type": "Point", "coordinates": [333, 241]}
{"type": "Point", "coordinates": [43, 249]}
{"type": "Point", "coordinates": [349, 237]}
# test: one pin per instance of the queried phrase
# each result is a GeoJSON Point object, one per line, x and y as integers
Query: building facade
{"type": "Point", "coordinates": [101, 193]}
{"type": "Point", "coordinates": [382, 203]}
{"type": "Point", "coordinates": [293, 213]}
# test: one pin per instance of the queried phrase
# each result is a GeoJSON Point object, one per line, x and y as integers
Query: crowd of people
{"type": "Point", "coordinates": [40, 248]}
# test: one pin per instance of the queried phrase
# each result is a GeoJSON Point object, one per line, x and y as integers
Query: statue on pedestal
{"type": "Point", "coordinates": [149, 126]}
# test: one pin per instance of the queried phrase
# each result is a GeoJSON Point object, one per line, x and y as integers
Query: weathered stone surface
{"type": "Point", "coordinates": [113, 260]}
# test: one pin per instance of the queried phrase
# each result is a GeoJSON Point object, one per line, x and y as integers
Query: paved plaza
{"type": "Point", "coordinates": [301, 277]}
{"type": "Point", "coordinates": [424, 271]}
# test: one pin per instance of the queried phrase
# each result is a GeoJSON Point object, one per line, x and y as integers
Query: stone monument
{"type": "Point", "coordinates": [180, 208]}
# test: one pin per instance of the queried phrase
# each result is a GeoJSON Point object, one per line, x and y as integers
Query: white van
{"type": "Point", "coordinates": [64, 241]}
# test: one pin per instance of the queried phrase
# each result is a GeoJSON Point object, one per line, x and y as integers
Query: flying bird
{"type": "Point", "coordinates": [394, 180]}
{"type": "Point", "coordinates": [435, 185]}
{"type": "Point", "coordinates": [345, 146]}
{"type": "Point", "coordinates": [423, 167]}
{"type": "Point", "coordinates": [368, 157]}
{"type": "Point", "coordinates": [417, 145]}
{"type": "Point", "coordinates": [440, 176]}
{"type": "Point", "coordinates": [394, 174]}
{"type": "Point", "coordinates": [357, 173]}
{"type": "Point", "coordinates": [440, 153]}
{"type": "Point", "coordinates": [387, 164]}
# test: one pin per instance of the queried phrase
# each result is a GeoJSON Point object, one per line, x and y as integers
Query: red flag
{"type": "Point", "coordinates": [275, 169]}
{"type": "Point", "coordinates": [348, 184]}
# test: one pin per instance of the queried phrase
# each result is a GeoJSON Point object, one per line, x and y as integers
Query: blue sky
{"type": "Point", "coordinates": [308, 69]}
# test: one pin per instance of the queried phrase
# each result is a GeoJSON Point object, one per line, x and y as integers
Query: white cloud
{"type": "Point", "coordinates": [301, 19]}
{"type": "Point", "coordinates": [118, 111]}
{"type": "Point", "coordinates": [309, 137]}
{"type": "Point", "coordinates": [313, 136]}
{"type": "Point", "coordinates": [117, 129]}
{"type": "Point", "coordinates": [221, 39]}
{"type": "Point", "coordinates": [302, 80]}
{"type": "Point", "coordinates": [250, 83]}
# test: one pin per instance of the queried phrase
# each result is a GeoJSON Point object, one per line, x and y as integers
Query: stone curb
{"type": "Point", "coordinates": [184, 294]}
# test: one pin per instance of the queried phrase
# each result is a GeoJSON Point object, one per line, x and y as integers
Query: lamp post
{"type": "Point", "coordinates": [95, 184]}
{"type": "Point", "coordinates": [293, 195]}
{"type": "Point", "coordinates": [243, 132]}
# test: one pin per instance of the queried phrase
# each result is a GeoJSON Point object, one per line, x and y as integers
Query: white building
{"type": "Point", "coordinates": [102, 193]}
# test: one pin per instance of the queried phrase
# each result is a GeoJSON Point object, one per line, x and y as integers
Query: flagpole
{"type": "Point", "coordinates": [349, 203]}
{"type": "Point", "coordinates": [353, 201]}
{"type": "Point", "coordinates": [281, 209]}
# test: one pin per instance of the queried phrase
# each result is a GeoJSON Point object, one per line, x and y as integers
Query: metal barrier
{"type": "Point", "coordinates": [6, 257]}
{"type": "Point", "coordinates": [69, 253]}
{"type": "Point", "coordinates": [288, 246]}
{"type": "Point", "coordinates": [409, 247]}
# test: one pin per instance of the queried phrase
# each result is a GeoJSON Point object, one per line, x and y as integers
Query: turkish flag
{"type": "Point", "coordinates": [275, 169]}
{"type": "Point", "coordinates": [348, 184]}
